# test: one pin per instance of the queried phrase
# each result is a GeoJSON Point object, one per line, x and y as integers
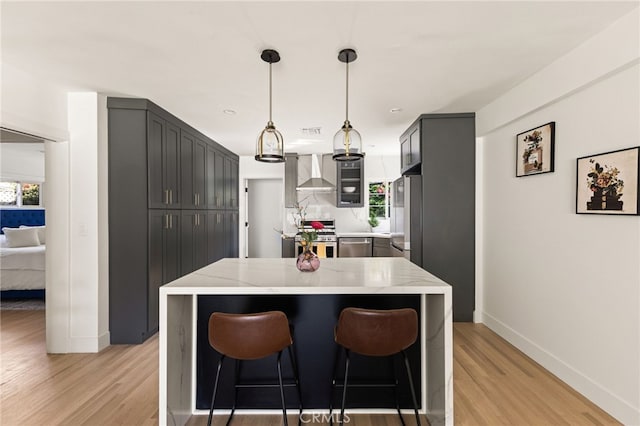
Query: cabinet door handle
{"type": "Point", "coordinates": [171, 196]}
{"type": "Point", "coordinates": [166, 196]}
{"type": "Point", "coordinates": [166, 221]}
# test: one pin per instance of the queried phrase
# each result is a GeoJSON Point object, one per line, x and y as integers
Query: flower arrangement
{"type": "Point", "coordinates": [604, 179]}
{"type": "Point", "coordinates": [307, 237]}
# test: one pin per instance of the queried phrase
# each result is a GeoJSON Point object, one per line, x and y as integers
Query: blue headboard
{"type": "Point", "coordinates": [13, 218]}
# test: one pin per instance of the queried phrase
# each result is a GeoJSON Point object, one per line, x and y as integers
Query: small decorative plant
{"type": "Point", "coordinates": [307, 237]}
{"type": "Point", "coordinates": [373, 220]}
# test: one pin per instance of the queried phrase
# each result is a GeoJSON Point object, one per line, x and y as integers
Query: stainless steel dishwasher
{"type": "Point", "coordinates": [355, 247]}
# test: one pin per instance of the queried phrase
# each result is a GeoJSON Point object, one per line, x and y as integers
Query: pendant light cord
{"type": "Point", "coordinates": [347, 97]}
{"type": "Point", "coordinates": [270, 91]}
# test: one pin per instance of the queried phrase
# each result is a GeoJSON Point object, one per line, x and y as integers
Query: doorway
{"type": "Point", "coordinates": [265, 207]}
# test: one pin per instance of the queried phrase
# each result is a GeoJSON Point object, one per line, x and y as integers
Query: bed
{"type": "Point", "coordinates": [22, 269]}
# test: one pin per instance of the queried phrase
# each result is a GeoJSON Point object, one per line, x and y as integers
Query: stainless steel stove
{"type": "Point", "coordinates": [326, 237]}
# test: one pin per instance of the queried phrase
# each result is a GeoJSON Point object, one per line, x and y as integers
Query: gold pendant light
{"type": "Point", "coordinates": [347, 143]}
{"type": "Point", "coordinates": [270, 146]}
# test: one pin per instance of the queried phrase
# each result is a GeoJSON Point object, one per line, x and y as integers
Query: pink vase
{"type": "Point", "coordinates": [308, 261]}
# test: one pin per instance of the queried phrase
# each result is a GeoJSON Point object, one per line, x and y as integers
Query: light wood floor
{"type": "Point", "coordinates": [494, 384]}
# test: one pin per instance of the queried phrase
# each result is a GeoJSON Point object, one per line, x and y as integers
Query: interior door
{"type": "Point", "coordinates": [265, 205]}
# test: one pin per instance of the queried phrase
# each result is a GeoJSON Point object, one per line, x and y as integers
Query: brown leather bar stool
{"type": "Point", "coordinates": [379, 333]}
{"type": "Point", "coordinates": [250, 337]}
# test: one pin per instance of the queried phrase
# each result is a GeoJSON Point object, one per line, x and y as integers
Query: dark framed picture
{"type": "Point", "coordinates": [534, 150]}
{"type": "Point", "coordinates": [608, 183]}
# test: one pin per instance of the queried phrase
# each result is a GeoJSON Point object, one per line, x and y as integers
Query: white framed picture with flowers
{"type": "Point", "coordinates": [535, 150]}
{"type": "Point", "coordinates": [608, 183]}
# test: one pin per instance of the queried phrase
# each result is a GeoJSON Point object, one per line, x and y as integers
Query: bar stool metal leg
{"type": "Point", "coordinates": [344, 389]}
{"type": "Point", "coordinates": [395, 387]}
{"type": "Point", "coordinates": [215, 389]}
{"type": "Point", "coordinates": [238, 366]}
{"type": "Point", "coordinates": [413, 392]}
{"type": "Point", "coordinates": [333, 383]}
{"type": "Point", "coordinates": [284, 405]}
{"type": "Point", "coordinates": [296, 377]}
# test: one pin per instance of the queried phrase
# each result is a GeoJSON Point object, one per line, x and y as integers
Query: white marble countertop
{"type": "Point", "coordinates": [380, 275]}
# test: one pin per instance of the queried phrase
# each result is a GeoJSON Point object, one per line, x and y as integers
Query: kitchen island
{"type": "Point", "coordinates": [383, 280]}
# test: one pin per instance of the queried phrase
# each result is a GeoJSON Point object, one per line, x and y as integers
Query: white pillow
{"type": "Point", "coordinates": [40, 229]}
{"type": "Point", "coordinates": [3, 241]}
{"type": "Point", "coordinates": [26, 237]}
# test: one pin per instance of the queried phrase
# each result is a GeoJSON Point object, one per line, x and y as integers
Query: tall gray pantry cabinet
{"type": "Point", "coordinates": [173, 208]}
{"type": "Point", "coordinates": [441, 148]}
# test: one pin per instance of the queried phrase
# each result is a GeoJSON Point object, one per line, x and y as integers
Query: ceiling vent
{"type": "Point", "coordinates": [311, 131]}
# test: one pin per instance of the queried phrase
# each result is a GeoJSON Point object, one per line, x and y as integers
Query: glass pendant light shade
{"type": "Point", "coordinates": [270, 145]}
{"type": "Point", "coordinates": [347, 143]}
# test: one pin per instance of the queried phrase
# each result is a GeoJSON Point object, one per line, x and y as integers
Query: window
{"type": "Point", "coordinates": [379, 199]}
{"type": "Point", "coordinates": [19, 194]}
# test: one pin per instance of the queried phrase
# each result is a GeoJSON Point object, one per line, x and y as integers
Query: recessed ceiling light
{"type": "Point", "coordinates": [394, 110]}
{"type": "Point", "coordinates": [229, 111]}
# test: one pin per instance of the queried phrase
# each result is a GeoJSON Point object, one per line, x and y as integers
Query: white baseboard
{"type": "Point", "coordinates": [104, 340]}
{"type": "Point", "coordinates": [89, 344]}
{"type": "Point", "coordinates": [622, 410]}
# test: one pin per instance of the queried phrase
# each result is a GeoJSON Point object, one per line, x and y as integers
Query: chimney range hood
{"type": "Point", "coordinates": [316, 183]}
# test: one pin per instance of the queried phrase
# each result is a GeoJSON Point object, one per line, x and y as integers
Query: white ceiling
{"type": "Point", "coordinates": [197, 59]}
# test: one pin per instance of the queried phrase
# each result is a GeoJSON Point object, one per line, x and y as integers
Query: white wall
{"type": "Point", "coordinates": [88, 295]}
{"type": "Point", "coordinates": [562, 287]}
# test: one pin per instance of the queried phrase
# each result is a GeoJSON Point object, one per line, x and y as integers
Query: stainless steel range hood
{"type": "Point", "coordinates": [316, 183]}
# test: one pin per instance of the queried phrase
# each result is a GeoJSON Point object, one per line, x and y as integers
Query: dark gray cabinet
{"type": "Point", "coordinates": [167, 210]}
{"type": "Point", "coordinates": [193, 240]}
{"type": "Point", "coordinates": [163, 163]}
{"type": "Point", "coordinates": [219, 179]}
{"type": "Point", "coordinates": [164, 266]}
{"type": "Point", "coordinates": [410, 150]}
{"type": "Point", "coordinates": [193, 165]}
{"type": "Point", "coordinates": [231, 219]}
{"type": "Point", "coordinates": [350, 183]}
{"type": "Point", "coordinates": [448, 146]}
{"type": "Point", "coordinates": [288, 247]}
{"type": "Point", "coordinates": [231, 183]}
{"type": "Point", "coordinates": [216, 248]}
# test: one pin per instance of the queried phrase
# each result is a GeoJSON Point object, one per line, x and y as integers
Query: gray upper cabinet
{"type": "Point", "coordinates": [410, 150]}
{"type": "Point", "coordinates": [350, 183]}
{"type": "Point", "coordinates": [219, 180]}
{"type": "Point", "coordinates": [193, 165]}
{"type": "Point", "coordinates": [230, 183]}
{"type": "Point", "coordinates": [163, 163]}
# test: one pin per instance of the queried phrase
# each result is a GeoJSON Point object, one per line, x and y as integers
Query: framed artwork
{"type": "Point", "coordinates": [608, 183]}
{"type": "Point", "coordinates": [534, 150]}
